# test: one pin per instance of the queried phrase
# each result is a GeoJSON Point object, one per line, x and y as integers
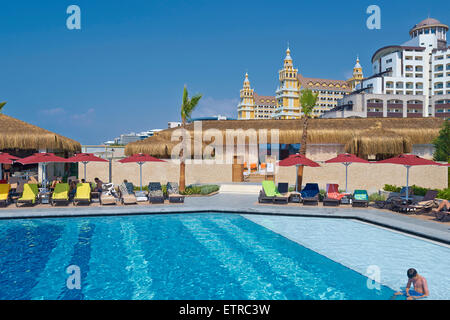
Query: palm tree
{"type": "Point", "coordinates": [2, 104]}
{"type": "Point", "coordinates": [308, 101]}
{"type": "Point", "coordinates": [187, 107]}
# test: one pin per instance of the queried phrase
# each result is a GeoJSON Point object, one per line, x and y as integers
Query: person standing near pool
{"type": "Point", "coordinates": [420, 286]}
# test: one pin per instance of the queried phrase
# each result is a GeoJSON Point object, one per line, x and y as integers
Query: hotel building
{"type": "Point", "coordinates": [286, 103]}
{"type": "Point", "coordinates": [409, 80]}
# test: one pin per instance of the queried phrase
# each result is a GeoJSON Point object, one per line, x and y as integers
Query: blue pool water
{"type": "Point", "coordinates": [198, 256]}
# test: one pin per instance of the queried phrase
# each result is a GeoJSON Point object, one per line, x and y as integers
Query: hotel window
{"type": "Point", "coordinates": [419, 69]}
{"type": "Point", "coordinates": [419, 58]}
{"type": "Point", "coordinates": [439, 58]}
{"type": "Point", "coordinates": [439, 67]}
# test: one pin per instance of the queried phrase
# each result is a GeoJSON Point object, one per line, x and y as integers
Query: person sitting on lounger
{"type": "Point", "coordinates": [99, 183]}
{"type": "Point", "coordinates": [444, 204]}
{"type": "Point", "coordinates": [420, 286]}
{"type": "Point", "coordinates": [72, 189]}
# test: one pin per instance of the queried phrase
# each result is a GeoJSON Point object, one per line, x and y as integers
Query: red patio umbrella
{"type": "Point", "coordinates": [6, 158]}
{"type": "Point", "coordinates": [346, 159]}
{"type": "Point", "coordinates": [43, 158]}
{"type": "Point", "coordinates": [409, 160]}
{"type": "Point", "coordinates": [85, 158]}
{"type": "Point", "coordinates": [140, 159]}
{"type": "Point", "coordinates": [298, 160]}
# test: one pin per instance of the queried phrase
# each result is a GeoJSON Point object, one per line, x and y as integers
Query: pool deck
{"type": "Point", "coordinates": [244, 204]}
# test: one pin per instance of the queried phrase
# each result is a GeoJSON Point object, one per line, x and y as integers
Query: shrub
{"type": "Point", "coordinates": [391, 188]}
{"type": "Point", "coordinates": [376, 197]}
{"type": "Point", "coordinates": [419, 191]}
{"type": "Point", "coordinates": [203, 190]}
{"type": "Point", "coordinates": [444, 194]}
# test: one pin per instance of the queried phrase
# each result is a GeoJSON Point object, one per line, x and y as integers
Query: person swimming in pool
{"type": "Point", "coordinates": [420, 286]}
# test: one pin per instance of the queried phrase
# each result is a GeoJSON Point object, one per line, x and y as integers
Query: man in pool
{"type": "Point", "coordinates": [420, 286]}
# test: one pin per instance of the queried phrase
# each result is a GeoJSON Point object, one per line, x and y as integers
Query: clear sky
{"type": "Point", "coordinates": [125, 69]}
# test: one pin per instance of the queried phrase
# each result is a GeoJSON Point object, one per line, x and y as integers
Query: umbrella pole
{"type": "Point", "coordinates": [346, 177]}
{"type": "Point", "coordinates": [296, 180]}
{"type": "Point", "coordinates": [85, 163]}
{"type": "Point", "coordinates": [140, 169]}
{"type": "Point", "coordinates": [407, 182]}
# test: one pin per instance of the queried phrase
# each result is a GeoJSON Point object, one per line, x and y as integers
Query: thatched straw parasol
{"type": "Point", "coordinates": [395, 136]}
{"type": "Point", "coordinates": [378, 140]}
{"type": "Point", "coordinates": [16, 134]}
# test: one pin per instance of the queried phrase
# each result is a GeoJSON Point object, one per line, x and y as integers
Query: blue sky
{"type": "Point", "coordinates": [125, 69]}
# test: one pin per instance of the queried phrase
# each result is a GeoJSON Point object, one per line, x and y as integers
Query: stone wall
{"type": "Point", "coordinates": [371, 177]}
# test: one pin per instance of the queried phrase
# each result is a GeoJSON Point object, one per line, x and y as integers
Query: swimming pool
{"type": "Point", "coordinates": [188, 256]}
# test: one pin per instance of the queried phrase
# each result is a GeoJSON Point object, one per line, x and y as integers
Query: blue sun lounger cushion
{"type": "Point", "coordinates": [311, 190]}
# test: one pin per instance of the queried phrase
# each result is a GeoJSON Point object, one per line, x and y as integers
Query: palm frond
{"type": "Point", "coordinates": [308, 101]}
{"type": "Point", "coordinates": [2, 104]}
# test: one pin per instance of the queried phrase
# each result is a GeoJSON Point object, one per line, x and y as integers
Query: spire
{"type": "Point", "coordinates": [288, 55]}
{"type": "Point", "coordinates": [357, 65]}
{"type": "Point", "coordinates": [246, 81]}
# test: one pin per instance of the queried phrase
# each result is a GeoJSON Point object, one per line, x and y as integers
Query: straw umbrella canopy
{"type": "Point", "coordinates": [393, 137]}
{"type": "Point", "coordinates": [17, 134]}
{"type": "Point", "coordinates": [298, 160]}
{"type": "Point", "coordinates": [409, 161]}
{"type": "Point", "coordinates": [44, 158]}
{"type": "Point", "coordinates": [85, 158]}
{"type": "Point", "coordinates": [140, 159]}
{"type": "Point", "coordinates": [346, 160]}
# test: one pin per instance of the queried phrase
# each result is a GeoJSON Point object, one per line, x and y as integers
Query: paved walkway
{"type": "Point", "coordinates": [232, 203]}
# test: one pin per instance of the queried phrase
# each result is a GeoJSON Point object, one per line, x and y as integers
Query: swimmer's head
{"type": "Point", "coordinates": [412, 273]}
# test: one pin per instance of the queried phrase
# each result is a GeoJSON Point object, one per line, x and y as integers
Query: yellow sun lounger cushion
{"type": "Point", "coordinates": [30, 193]}
{"type": "Point", "coordinates": [61, 192]}
{"type": "Point", "coordinates": [83, 193]}
{"type": "Point", "coordinates": [4, 191]}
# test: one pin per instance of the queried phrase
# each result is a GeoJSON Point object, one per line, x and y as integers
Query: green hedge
{"type": "Point", "coordinates": [202, 190]}
{"type": "Point", "coordinates": [419, 191]}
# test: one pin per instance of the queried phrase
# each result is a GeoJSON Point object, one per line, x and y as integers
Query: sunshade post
{"type": "Point", "coordinates": [44, 175]}
{"type": "Point", "coordinates": [85, 163]}
{"type": "Point", "coordinates": [140, 170]}
{"type": "Point", "coordinates": [407, 182]}
{"type": "Point", "coordinates": [346, 176]}
{"type": "Point", "coordinates": [296, 179]}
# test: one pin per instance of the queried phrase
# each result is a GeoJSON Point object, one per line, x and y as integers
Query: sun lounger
{"type": "Point", "coordinates": [109, 195]}
{"type": "Point", "coordinates": [5, 188]}
{"type": "Point", "coordinates": [155, 194]}
{"type": "Point", "coordinates": [419, 207]}
{"type": "Point", "coordinates": [310, 194]}
{"type": "Point", "coordinates": [29, 195]}
{"type": "Point", "coordinates": [60, 194]}
{"type": "Point", "coordinates": [174, 193]}
{"type": "Point", "coordinates": [83, 194]}
{"type": "Point", "coordinates": [443, 216]}
{"type": "Point", "coordinates": [333, 196]}
{"type": "Point", "coordinates": [360, 199]}
{"type": "Point", "coordinates": [394, 201]}
{"type": "Point", "coordinates": [270, 193]}
{"type": "Point", "coordinates": [126, 197]}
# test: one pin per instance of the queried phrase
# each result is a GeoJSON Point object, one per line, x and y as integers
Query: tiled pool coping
{"type": "Point", "coordinates": [246, 204]}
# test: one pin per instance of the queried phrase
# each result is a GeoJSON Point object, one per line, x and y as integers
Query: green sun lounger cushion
{"type": "Point", "coordinates": [361, 195]}
{"type": "Point", "coordinates": [270, 189]}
